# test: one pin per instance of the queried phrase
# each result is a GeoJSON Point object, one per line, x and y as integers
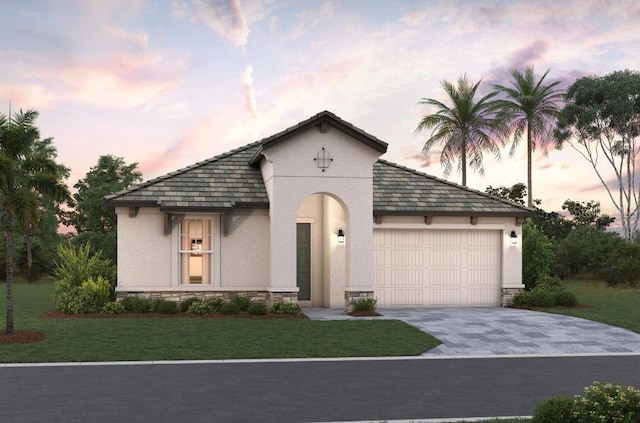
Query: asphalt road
{"type": "Point", "coordinates": [300, 391]}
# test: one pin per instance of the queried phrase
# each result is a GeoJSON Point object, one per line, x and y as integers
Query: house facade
{"type": "Point", "coordinates": [313, 215]}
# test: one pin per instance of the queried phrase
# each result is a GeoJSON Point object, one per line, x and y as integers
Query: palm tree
{"type": "Point", "coordinates": [529, 106]}
{"type": "Point", "coordinates": [467, 129]}
{"type": "Point", "coordinates": [27, 172]}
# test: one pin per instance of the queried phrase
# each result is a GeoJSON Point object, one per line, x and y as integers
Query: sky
{"type": "Point", "coordinates": [169, 83]}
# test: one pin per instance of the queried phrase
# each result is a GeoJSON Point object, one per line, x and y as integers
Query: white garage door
{"type": "Point", "coordinates": [437, 268]}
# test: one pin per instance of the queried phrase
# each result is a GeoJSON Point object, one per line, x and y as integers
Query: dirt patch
{"type": "Point", "coordinates": [21, 337]}
{"type": "Point", "coordinates": [59, 315]}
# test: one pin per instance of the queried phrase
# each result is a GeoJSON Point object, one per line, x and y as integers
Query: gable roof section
{"type": "Point", "coordinates": [219, 183]}
{"type": "Point", "coordinates": [319, 120]}
{"type": "Point", "coordinates": [398, 190]}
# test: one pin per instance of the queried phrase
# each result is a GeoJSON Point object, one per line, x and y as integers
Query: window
{"type": "Point", "coordinates": [195, 251]}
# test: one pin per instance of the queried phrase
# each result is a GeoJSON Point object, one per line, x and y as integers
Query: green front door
{"type": "Point", "coordinates": [303, 267]}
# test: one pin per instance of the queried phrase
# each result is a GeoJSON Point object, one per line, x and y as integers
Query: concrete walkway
{"type": "Point", "coordinates": [505, 331]}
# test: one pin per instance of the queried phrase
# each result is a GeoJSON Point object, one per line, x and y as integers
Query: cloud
{"type": "Point", "coordinates": [124, 81]}
{"type": "Point", "coordinates": [410, 153]}
{"type": "Point", "coordinates": [25, 96]}
{"type": "Point", "coordinates": [246, 82]}
{"type": "Point", "coordinates": [226, 17]}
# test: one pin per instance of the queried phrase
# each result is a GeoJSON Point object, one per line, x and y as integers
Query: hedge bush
{"type": "Point", "coordinates": [364, 304]}
{"type": "Point", "coordinates": [258, 309]}
{"type": "Point", "coordinates": [214, 304]}
{"type": "Point", "coordinates": [554, 410]}
{"type": "Point", "coordinates": [165, 306]}
{"type": "Point", "coordinates": [242, 302]}
{"type": "Point", "coordinates": [186, 303]}
{"type": "Point", "coordinates": [230, 308]}
{"type": "Point", "coordinates": [285, 307]}
{"type": "Point", "coordinates": [198, 307]}
{"type": "Point", "coordinates": [112, 307]}
{"type": "Point", "coordinates": [137, 305]}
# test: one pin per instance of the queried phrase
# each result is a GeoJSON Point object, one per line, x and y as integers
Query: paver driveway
{"type": "Point", "coordinates": [506, 331]}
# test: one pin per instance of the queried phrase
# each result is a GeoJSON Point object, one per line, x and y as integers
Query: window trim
{"type": "Point", "coordinates": [215, 251]}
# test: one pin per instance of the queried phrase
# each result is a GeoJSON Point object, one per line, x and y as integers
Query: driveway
{"type": "Point", "coordinates": [506, 331]}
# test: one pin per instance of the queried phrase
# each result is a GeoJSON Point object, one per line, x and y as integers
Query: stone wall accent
{"type": "Point", "coordinates": [506, 296]}
{"type": "Point", "coordinates": [350, 296]}
{"type": "Point", "coordinates": [264, 297]}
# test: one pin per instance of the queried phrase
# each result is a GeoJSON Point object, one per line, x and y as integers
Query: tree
{"type": "Point", "coordinates": [601, 121]}
{"type": "Point", "coordinates": [467, 129]}
{"type": "Point", "coordinates": [530, 107]}
{"type": "Point", "coordinates": [587, 214]}
{"type": "Point", "coordinates": [27, 173]}
{"type": "Point", "coordinates": [515, 194]}
{"type": "Point", "coordinates": [91, 218]}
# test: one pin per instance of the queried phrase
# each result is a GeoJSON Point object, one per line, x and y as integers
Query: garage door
{"type": "Point", "coordinates": [437, 268]}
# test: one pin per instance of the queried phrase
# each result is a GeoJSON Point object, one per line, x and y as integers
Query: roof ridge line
{"type": "Point", "coordinates": [471, 190]}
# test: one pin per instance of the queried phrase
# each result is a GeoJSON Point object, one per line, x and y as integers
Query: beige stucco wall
{"type": "Point", "coordinates": [148, 259]}
{"type": "Point", "coordinates": [144, 252]}
{"type": "Point", "coordinates": [245, 250]}
{"type": "Point", "coordinates": [511, 254]}
{"type": "Point", "coordinates": [294, 175]}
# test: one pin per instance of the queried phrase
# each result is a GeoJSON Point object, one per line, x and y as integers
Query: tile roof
{"type": "Point", "coordinates": [403, 191]}
{"type": "Point", "coordinates": [233, 180]}
{"type": "Point", "coordinates": [222, 182]}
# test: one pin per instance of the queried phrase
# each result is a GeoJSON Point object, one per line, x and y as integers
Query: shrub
{"type": "Point", "coordinates": [198, 308]}
{"type": "Point", "coordinates": [608, 403]}
{"type": "Point", "coordinates": [165, 306]}
{"type": "Point", "coordinates": [554, 410]}
{"type": "Point", "coordinates": [78, 264]}
{"type": "Point", "coordinates": [89, 297]}
{"type": "Point", "coordinates": [548, 292]}
{"type": "Point", "coordinates": [565, 298]}
{"type": "Point", "coordinates": [230, 308]}
{"type": "Point", "coordinates": [285, 307]}
{"type": "Point", "coordinates": [214, 304]}
{"type": "Point", "coordinates": [112, 307]}
{"type": "Point", "coordinates": [242, 302]}
{"type": "Point", "coordinates": [137, 305]}
{"type": "Point", "coordinates": [623, 268]}
{"type": "Point", "coordinates": [186, 303]}
{"type": "Point", "coordinates": [364, 304]}
{"type": "Point", "coordinates": [73, 300]}
{"type": "Point", "coordinates": [257, 309]}
{"type": "Point", "coordinates": [537, 254]}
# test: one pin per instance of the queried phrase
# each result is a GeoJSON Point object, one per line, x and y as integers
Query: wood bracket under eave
{"type": "Point", "coordinates": [133, 211]}
{"type": "Point", "coordinates": [377, 219]}
{"type": "Point", "coordinates": [428, 220]}
{"type": "Point", "coordinates": [474, 220]}
{"type": "Point", "coordinates": [225, 224]}
{"type": "Point", "coordinates": [171, 221]}
{"type": "Point", "coordinates": [519, 221]}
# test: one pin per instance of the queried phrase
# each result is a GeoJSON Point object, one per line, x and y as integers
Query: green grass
{"type": "Point", "coordinates": [616, 306]}
{"type": "Point", "coordinates": [167, 338]}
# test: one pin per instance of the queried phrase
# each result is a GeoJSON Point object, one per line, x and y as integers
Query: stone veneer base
{"type": "Point", "coordinates": [351, 296]}
{"type": "Point", "coordinates": [506, 296]}
{"type": "Point", "coordinates": [265, 297]}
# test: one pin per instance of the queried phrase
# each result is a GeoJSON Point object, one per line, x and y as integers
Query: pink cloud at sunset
{"type": "Point", "coordinates": [168, 84]}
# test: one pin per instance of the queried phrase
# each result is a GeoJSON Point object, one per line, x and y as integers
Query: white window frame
{"type": "Point", "coordinates": [214, 251]}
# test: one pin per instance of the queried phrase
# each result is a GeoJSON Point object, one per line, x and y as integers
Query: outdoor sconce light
{"type": "Point", "coordinates": [340, 236]}
{"type": "Point", "coordinates": [514, 238]}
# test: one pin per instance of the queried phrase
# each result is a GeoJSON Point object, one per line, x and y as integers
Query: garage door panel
{"type": "Point", "coordinates": [438, 268]}
{"type": "Point", "coordinates": [407, 258]}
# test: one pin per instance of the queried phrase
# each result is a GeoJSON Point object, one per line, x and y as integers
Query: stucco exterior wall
{"type": "Point", "coordinates": [245, 250]}
{"type": "Point", "coordinates": [349, 178]}
{"type": "Point", "coordinates": [144, 252]}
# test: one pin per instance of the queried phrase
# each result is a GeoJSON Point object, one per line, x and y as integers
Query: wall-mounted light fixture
{"type": "Point", "coordinates": [340, 236]}
{"type": "Point", "coordinates": [514, 238]}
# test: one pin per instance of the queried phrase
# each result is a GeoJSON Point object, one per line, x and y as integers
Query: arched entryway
{"type": "Point", "coordinates": [321, 257]}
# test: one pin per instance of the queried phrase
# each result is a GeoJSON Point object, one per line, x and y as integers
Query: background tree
{"type": "Point", "coordinates": [530, 107]}
{"type": "Point", "coordinates": [466, 130]}
{"type": "Point", "coordinates": [27, 174]}
{"type": "Point", "coordinates": [601, 121]}
{"type": "Point", "coordinates": [587, 213]}
{"type": "Point", "coordinates": [91, 218]}
{"type": "Point", "coordinates": [515, 193]}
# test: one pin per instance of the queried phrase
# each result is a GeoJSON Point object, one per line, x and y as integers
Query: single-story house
{"type": "Point", "coordinates": [312, 215]}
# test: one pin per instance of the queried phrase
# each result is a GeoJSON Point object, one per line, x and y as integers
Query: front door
{"type": "Point", "coordinates": [303, 267]}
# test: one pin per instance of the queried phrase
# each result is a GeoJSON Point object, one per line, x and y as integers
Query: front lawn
{"type": "Point", "coordinates": [167, 338]}
{"type": "Point", "coordinates": [616, 306]}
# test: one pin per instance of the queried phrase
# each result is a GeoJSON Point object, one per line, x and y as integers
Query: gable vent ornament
{"type": "Point", "coordinates": [323, 159]}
